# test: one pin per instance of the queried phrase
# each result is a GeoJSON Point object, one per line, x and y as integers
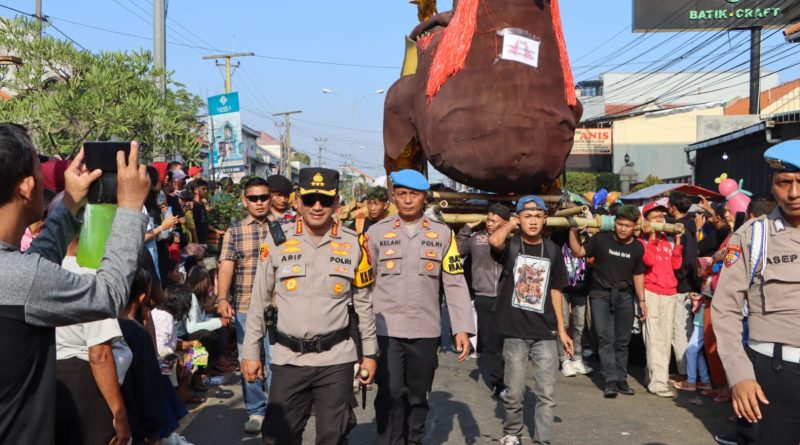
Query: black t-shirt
{"type": "Point", "coordinates": [200, 222]}
{"type": "Point", "coordinates": [711, 241]}
{"type": "Point", "coordinates": [615, 263]}
{"type": "Point", "coordinates": [516, 304]}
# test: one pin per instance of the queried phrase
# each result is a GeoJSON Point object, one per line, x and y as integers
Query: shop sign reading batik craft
{"type": "Point", "coordinates": [531, 275]}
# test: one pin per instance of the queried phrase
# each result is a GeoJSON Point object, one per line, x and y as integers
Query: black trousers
{"type": "Point", "coordinates": [291, 394]}
{"type": "Point", "coordinates": [405, 373]}
{"type": "Point", "coordinates": [82, 414]}
{"type": "Point", "coordinates": [490, 340]}
{"type": "Point", "coordinates": [780, 381]}
{"type": "Point", "coordinates": [612, 317]}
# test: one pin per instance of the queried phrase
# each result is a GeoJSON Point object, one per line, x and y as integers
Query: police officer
{"type": "Point", "coordinates": [413, 256]}
{"type": "Point", "coordinates": [760, 271]}
{"type": "Point", "coordinates": [311, 276]}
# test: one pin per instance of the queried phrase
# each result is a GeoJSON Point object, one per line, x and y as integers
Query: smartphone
{"type": "Point", "coordinates": [103, 155]}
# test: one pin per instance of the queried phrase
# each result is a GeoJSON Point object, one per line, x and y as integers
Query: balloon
{"type": "Point", "coordinates": [600, 198]}
{"type": "Point", "coordinates": [612, 198]}
{"type": "Point", "coordinates": [588, 196]}
{"type": "Point", "coordinates": [737, 198]}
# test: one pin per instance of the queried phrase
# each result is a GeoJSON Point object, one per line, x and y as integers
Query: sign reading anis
{"type": "Point", "coordinates": [592, 141]}
{"type": "Point", "coordinates": [698, 15]}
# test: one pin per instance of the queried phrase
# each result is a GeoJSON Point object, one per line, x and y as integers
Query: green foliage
{"type": "Point", "coordinates": [648, 181]}
{"type": "Point", "coordinates": [302, 157]}
{"type": "Point", "coordinates": [608, 181]}
{"type": "Point", "coordinates": [227, 210]}
{"type": "Point", "coordinates": [66, 96]}
{"type": "Point", "coordinates": [581, 182]}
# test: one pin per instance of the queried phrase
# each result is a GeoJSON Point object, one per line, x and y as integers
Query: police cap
{"type": "Point", "coordinates": [784, 157]}
{"type": "Point", "coordinates": [323, 181]}
{"type": "Point", "coordinates": [280, 184]}
{"type": "Point", "coordinates": [410, 179]}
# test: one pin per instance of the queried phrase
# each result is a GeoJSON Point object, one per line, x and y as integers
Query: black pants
{"type": "Point", "coordinates": [82, 414]}
{"type": "Point", "coordinates": [405, 373]}
{"type": "Point", "coordinates": [780, 381]}
{"type": "Point", "coordinates": [291, 394]}
{"type": "Point", "coordinates": [491, 341]}
{"type": "Point", "coordinates": [612, 317]}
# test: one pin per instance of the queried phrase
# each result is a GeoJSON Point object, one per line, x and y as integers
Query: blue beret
{"type": "Point", "coordinates": [784, 157]}
{"type": "Point", "coordinates": [410, 179]}
{"type": "Point", "coordinates": [525, 200]}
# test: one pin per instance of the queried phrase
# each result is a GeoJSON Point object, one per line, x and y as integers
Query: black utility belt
{"type": "Point", "coordinates": [320, 343]}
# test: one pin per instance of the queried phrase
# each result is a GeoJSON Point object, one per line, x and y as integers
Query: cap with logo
{"type": "Point", "coordinates": [650, 206]}
{"type": "Point", "coordinates": [525, 201]}
{"type": "Point", "coordinates": [323, 181]}
{"type": "Point", "coordinates": [784, 157]}
{"type": "Point", "coordinates": [410, 179]}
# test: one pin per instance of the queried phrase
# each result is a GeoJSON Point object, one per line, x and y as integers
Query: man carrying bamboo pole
{"type": "Point", "coordinates": [618, 275]}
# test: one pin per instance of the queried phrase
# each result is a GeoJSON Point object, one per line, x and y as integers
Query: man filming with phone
{"type": "Point", "coordinates": [37, 294]}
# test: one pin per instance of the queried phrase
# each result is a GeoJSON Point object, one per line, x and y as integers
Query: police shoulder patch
{"type": "Point", "coordinates": [732, 254]}
{"type": "Point", "coordinates": [263, 252]}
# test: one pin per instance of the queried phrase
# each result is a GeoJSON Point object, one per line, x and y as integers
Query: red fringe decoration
{"type": "Point", "coordinates": [451, 53]}
{"type": "Point", "coordinates": [425, 42]}
{"type": "Point", "coordinates": [569, 81]}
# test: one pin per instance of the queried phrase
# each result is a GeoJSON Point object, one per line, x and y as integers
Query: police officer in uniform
{"type": "Point", "coordinates": [762, 271]}
{"type": "Point", "coordinates": [413, 256]}
{"type": "Point", "coordinates": [312, 274]}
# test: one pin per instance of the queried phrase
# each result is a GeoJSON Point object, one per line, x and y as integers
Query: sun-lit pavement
{"type": "Point", "coordinates": [463, 412]}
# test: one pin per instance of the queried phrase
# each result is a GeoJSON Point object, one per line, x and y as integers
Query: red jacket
{"type": "Point", "coordinates": [661, 260]}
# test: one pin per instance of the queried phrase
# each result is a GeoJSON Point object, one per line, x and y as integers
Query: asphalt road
{"type": "Point", "coordinates": [463, 412]}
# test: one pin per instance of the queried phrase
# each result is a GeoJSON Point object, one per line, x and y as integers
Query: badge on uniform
{"type": "Point", "coordinates": [291, 284]}
{"type": "Point", "coordinates": [732, 254]}
{"type": "Point", "coordinates": [430, 254]}
{"type": "Point", "coordinates": [338, 289]}
{"type": "Point", "coordinates": [342, 270]}
{"type": "Point", "coordinates": [291, 242]}
{"type": "Point", "coordinates": [432, 235]}
{"type": "Point", "coordinates": [430, 266]}
{"type": "Point", "coordinates": [263, 252]}
{"type": "Point", "coordinates": [291, 250]}
{"type": "Point", "coordinates": [390, 265]}
{"type": "Point", "coordinates": [390, 235]}
{"type": "Point", "coordinates": [389, 252]}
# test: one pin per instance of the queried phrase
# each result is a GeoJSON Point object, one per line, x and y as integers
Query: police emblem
{"type": "Point", "coordinates": [338, 288]}
{"type": "Point", "coordinates": [263, 252]}
{"type": "Point", "coordinates": [732, 254]}
{"type": "Point", "coordinates": [390, 265]}
{"type": "Point", "coordinates": [429, 266]}
{"type": "Point", "coordinates": [296, 268]}
{"type": "Point", "coordinates": [291, 284]}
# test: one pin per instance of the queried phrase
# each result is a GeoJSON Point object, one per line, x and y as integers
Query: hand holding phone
{"type": "Point", "coordinates": [77, 180]}
{"type": "Point", "coordinates": [133, 183]}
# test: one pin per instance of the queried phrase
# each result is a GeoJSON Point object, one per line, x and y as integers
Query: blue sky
{"type": "Point", "coordinates": [360, 32]}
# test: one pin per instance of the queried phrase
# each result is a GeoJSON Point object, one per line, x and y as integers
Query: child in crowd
{"type": "Point", "coordinates": [695, 355]}
{"type": "Point", "coordinates": [166, 318]}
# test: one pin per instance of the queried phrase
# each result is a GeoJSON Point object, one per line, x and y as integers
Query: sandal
{"type": "Point", "coordinates": [685, 386]}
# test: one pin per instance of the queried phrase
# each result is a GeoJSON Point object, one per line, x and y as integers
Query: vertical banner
{"type": "Point", "coordinates": [228, 150]}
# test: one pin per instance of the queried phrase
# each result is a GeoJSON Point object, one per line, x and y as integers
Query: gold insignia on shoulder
{"type": "Point", "coordinates": [318, 180]}
{"type": "Point", "coordinates": [432, 235]}
{"type": "Point", "coordinates": [425, 224]}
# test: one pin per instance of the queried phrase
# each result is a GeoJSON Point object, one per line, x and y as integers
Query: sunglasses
{"type": "Point", "coordinates": [257, 198]}
{"type": "Point", "coordinates": [311, 200]}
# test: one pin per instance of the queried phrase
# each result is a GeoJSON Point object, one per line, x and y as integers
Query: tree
{"type": "Point", "coordinates": [302, 157]}
{"type": "Point", "coordinates": [581, 182]}
{"type": "Point", "coordinates": [66, 96]}
{"type": "Point", "coordinates": [648, 181]}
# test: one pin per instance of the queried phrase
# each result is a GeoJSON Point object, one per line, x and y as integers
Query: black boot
{"type": "Point", "coordinates": [624, 388]}
{"type": "Point", "coordinates": [611, 390]}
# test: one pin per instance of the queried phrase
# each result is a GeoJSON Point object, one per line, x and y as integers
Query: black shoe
{"type": "Point", "coordinates": [726, 439]}
{"type": "Point", "coordinates": [611, 390]}
{"type": "Point", "coordinates": [625, 389]}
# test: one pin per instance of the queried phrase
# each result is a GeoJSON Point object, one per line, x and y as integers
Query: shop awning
{"type": "Point", "coordinates": [659, 189]}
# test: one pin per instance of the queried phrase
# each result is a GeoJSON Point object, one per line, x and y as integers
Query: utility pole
{"type": "Point", "coordinates": [160, 44]}
{"type": "Point", "coordinates": [321, 145]}
{"type": "Point", "coordinates": [755, 70]}
{"type": "Point", "coordinates": [227, 65]}
{"type": "Point", "coordinates": [39, 16]}
{"type": "Point", "coordinates": [286, 153]}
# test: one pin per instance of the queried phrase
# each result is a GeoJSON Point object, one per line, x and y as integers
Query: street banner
{"type": "Point", "coordinates": [592, 141]}
{"type": "Point", "coordinates": [228, 150]}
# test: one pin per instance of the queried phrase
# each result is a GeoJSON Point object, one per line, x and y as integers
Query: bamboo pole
{"type": "Point", "coordinates": [561, 222]}
{"type": "Point", "coordinates": [581, 210]}
{"type": "Point", "coordinates": [487, 197]}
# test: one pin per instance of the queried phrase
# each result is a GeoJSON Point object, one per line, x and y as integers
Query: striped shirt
{"type": "Point", "coordinates": [241, 245]}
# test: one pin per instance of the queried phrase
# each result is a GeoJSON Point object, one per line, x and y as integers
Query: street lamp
{"type": "Point", "coordinates": [353, 107]}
